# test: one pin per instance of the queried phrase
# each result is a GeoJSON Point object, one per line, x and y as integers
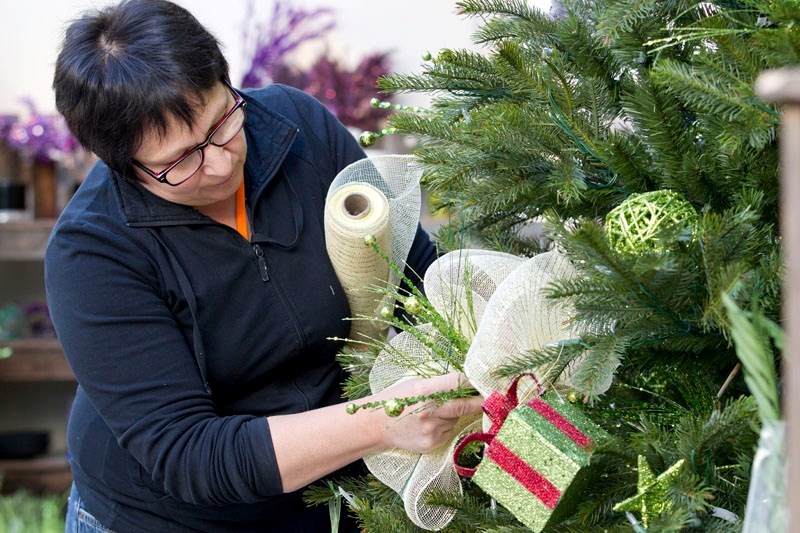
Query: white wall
{"type": "Point", "coordinates": [30, 32]}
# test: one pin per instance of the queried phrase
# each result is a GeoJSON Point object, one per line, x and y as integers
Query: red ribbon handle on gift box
{"type": "Point", "coordinates": [497, 407]}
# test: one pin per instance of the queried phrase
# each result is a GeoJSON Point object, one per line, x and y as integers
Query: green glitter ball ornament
{"type": "Point", "coordinates": [367, 139]}
{"type": "Point", "coordinates": [412, 305]}
{"type": "Point", "coordinates": [634, 226]}
{"type": "Point", "coordinates": [393, 407]}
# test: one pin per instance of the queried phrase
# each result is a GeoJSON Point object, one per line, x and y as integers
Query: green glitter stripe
{"type": "Point", "coordinates": [576, 416]}
{"type": "Point", "coordinates": [538, 449]}
{"type": "Point", "coordinates": [538, 424]}
{"type": "Point", "coordinates": [512, 495]}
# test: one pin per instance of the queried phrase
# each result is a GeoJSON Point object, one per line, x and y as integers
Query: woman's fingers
{"type": "Point", "coordinates": [459, 407]}
{"type": "Point", "coordinates": [429, 424]}
{"type": "Point", "coordinates": [453, 380]}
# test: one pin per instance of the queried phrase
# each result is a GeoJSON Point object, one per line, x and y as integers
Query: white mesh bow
{"type": "Point", "coordinates": [519, 318]}
{"type": "Point", "coordinates": [504, 296]}
{"type": "Point", "coordinates": [459, 290]}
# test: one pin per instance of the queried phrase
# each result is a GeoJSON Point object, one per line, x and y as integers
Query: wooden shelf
{"type": "Point", "coordinates": [32, 361]}
{"type": "Point", "coordinates": [41, 474]}
{"type": "Point", "coordinates": [35, 360]}
{"type": "Point", "coordinates": [24, 240]}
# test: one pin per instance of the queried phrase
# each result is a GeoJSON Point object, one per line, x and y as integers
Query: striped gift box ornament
{"type": "Point", "coordinates": [535, 455]}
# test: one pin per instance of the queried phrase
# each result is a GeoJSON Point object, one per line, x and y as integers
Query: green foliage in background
{"type": "Point", "coordinates": [24, 512]}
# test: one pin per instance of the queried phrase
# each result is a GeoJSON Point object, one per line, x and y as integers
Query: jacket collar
{"type": "Point", "coordinates": [269, 138]}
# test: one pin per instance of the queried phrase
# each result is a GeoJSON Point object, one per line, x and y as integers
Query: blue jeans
{"type": "Point", "coordinates": [78, 519]}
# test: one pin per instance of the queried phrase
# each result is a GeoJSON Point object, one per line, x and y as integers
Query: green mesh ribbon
{"type": "Point", "coordinates": [634, 226]}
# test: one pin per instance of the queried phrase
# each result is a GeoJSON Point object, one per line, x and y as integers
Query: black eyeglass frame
{"type": "Point", "coordinates": [161, 177]}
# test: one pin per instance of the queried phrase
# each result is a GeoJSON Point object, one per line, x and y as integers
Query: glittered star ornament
{"type": "Point", "coordinates": [651, 496]}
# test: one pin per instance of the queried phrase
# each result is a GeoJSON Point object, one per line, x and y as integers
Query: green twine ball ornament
{"type": "Point", "coordinates": [634, 226]}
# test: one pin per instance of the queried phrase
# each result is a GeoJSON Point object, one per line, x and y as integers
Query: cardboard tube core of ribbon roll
{"type": "Point", "coordinates": [357, 205]}
{"type": "Point", "coordinates": [353, 212]}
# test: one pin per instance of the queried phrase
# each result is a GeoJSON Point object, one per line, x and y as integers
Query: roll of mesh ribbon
{"type": "Point", "coordinates": [353, 212]}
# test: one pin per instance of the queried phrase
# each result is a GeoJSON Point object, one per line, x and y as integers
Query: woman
{"type": "Point", "coordinates": [192, 294]}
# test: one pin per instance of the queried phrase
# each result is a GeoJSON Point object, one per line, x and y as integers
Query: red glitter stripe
{"type": "Point", "coordinates": [529, 478]}
{"type": "Point", "coordinates": [555, 418]}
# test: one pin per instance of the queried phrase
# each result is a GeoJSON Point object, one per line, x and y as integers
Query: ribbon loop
{"type": "Point", "coordinates": [497, 408]}
{"type": "Point", "coordinates": [467, 471]}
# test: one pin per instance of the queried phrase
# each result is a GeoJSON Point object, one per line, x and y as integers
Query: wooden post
{"type": "Point", "coordinates": [783, 86]}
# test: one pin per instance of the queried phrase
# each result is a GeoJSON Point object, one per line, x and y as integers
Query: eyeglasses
{"type": "Point", "coordinates": [190, 162]}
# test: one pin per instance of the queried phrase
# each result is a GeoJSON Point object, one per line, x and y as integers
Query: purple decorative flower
{"type": "Point", "coordinates": [40, 137]}
{"type": "Point", "coordinates": [288, 28]}
{"type": "Point", "coordinates": [346, 93]}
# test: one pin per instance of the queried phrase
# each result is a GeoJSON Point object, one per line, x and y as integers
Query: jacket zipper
{"type": "Point", "coordinates": [262, 262]}
{"type": "Point", "coordinates": [262, 267]}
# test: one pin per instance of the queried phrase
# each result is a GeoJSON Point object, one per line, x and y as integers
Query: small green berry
{"type": "Point", "coordinates": [374, 102]}
{"type": "Point", "coordinates": [351, 408]}
{"type": "Point", "coordinates": [573, 397]}
{"type": "Point", "coordinates": [367, 139]}
{"type": "Point", "coordinates": [386, 312]}
{"type": "Point", "coordinates": [370, 240]}
{"type": "Point", "coordinates": [427, 56]}
{"type": "Point", "coordinates": [412, 305]}
{"type": "Point", "coordinates": [393, 407]}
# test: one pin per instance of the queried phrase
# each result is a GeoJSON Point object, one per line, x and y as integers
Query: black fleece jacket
{"type": "Point", "coordinates": [183, 335]}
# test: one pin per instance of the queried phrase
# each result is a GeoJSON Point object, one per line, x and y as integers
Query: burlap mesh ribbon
{"type": "Point", "coordinates": [519, 318]}
{"type": "Point", "coordinates": [379, 196]}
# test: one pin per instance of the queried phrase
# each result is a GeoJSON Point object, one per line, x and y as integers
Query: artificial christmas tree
{"type": "Point", "coordinates": [563, 118]}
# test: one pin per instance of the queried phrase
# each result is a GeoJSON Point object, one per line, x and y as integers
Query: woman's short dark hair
{"type": "Point", "coordinates": [122, 70]}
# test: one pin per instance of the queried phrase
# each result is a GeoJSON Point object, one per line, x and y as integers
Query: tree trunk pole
{"type": "Point", "coordinates": [783, 86]}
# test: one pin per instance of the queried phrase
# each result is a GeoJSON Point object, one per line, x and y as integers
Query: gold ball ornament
{"type": "Point", "coordinates": [573, 397]}
{"type": "Point", "coordinates": [635, 226]}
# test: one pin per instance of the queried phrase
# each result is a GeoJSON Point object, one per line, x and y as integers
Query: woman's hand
{"type": "Point", "coordinates": [425, 426]}
{"type": "Point", "coordinates": [314, 443]}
